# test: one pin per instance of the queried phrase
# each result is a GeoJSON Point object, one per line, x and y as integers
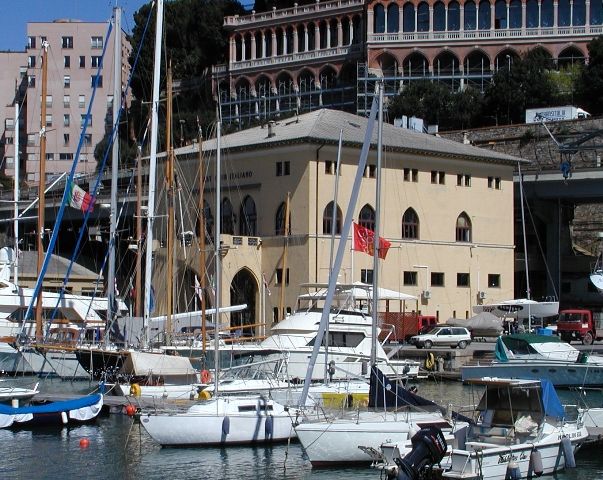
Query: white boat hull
{"type": "Point", "coordinates": [520, 309]}
{"type": "Point", "coordinates": [223, 420]}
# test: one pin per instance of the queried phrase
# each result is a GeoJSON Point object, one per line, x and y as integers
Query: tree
{"type": "Point", "coordinates": [467, 106]}
{"type": "Point", "coordinates": [590, 84]}
{"type": "Point", "coordinates": [423, 99]}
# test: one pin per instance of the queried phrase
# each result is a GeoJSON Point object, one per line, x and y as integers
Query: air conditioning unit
{"type": "Point", "coordinates": [426, 294]}
{"type": "Point", "coordinates": [481, 295]}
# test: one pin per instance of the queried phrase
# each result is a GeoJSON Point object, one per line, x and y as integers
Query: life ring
{"type": "Point", "coordinates": [429, 361]}
{"type": "Point", "coordinates": [135, 390]}
{"type": "Point", "coordinates": [205, 376]}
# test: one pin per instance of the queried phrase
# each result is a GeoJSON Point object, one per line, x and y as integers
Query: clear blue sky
{"type": "Point", "coordinates": [16, 15]}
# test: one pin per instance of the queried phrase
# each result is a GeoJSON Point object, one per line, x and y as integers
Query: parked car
{"type": "Point", "coordinates": [443, 336]}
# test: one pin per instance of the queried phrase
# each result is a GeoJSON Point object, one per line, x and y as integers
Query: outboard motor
{"type": "Point", "coordinates": [428, 448]}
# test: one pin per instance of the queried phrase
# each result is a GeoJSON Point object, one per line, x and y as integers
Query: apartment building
{"type": "Point", "coordinates": [328, 54]}
{"type": "Point", "coordinates": [75, 57]}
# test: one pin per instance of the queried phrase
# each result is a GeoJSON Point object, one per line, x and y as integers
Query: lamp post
{"type": "Point", "coordinates": [426, 292]}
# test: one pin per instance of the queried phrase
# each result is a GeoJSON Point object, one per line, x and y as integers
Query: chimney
{"type": "Point", "coordinates": [271, 125]}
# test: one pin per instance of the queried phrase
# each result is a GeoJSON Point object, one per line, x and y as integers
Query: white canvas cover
{"type": "Point", "coordinates": [482, 325]}
{"type": "Point", "coordinates": [157, 364]}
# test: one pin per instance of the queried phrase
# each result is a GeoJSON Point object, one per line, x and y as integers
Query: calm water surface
{"type": "Point", "coordinates": [121, 449]}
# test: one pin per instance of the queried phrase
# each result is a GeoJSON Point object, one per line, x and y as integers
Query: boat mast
{"type": "Point", "coordinates": [281, 306]}
{"type": "Point", "coordinates": [16, 197]}
{"type": "Point", "coordinates": [201, 240]}
{"type": "Point", "coordinates": [111, 301]}
{"type": "Point", "coordinates": [376, 242]}
{"type": "Point", "coordinates": [41, 199]}
{"type": "Point", "coordinates": [218, 259]}
{"type": "Point", "coordinates": [169, 175]}
{"type": "Point", "coordinates": [152, 172]}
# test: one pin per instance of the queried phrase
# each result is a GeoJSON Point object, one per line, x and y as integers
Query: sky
{"type": "Point", "coordinates": [16, 15]}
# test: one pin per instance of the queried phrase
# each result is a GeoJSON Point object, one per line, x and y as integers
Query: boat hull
{"type": "Point", "coordinates": [560, 375]}
{"type": "Point", "coordinates": [220, 421]}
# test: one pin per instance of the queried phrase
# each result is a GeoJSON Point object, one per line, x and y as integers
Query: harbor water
{"type": "Point", "coordinates": [119, 448]}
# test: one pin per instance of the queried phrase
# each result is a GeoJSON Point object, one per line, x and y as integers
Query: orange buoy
{"type": "Point", "coordinates": [205, 376]}
{"type": "Point", "coordinates": [130, 410]}
{"type": "Point", "coordinates": [84, 443]}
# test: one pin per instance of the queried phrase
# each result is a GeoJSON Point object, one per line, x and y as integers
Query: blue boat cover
{"type": "Point", "coordinates": [551, 402]}
{"type": "Point", "coordinates": [499, 350]}
{"type": "Point", "coordinates": [53, 407]}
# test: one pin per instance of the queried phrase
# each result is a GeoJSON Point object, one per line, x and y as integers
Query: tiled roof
{"type": "Point", "coordinates": [323, 126]}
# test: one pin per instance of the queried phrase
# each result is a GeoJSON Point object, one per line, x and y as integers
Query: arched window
{"type": "Point", "coordinates": [484, 15]}
{"type": "Point", "coordinates": [279, 224]}
{"type": "Point", "coordinates": [249, 218]}
{"type": "Point", "coordinates": [328, 221]}
{"type": "Point", "coordinates": [439, 17]}
{"type": "Point", "coordinates": [408, 17]}
{"type": "Point", "coordinates": [410, 224]}
{"type": "Point", "coordinates": [547, 13]}
{"type": "Point", "coordinates": [393, 18]}
{"type": "Point", "coordinates": [596, 12]}
{"type": "Point", "coordinates": [379, 13]}
{"type": "Point", "coordinates": [463, 228]}
{"type": "Point", "coordinates": [470, 15]}
{"type": "Point", "coordinates": [579, 17]}
{"type": "Point", "coordinates": [366, 218]}
{"type": "Point", "coordinates": [454, 16]}
{"type": "Point", "coordinates": [423, 17]}
{"type": "Point", "coordinates": [228, 217]}
{"type": "Point", "coordinates": [532, 13]}
{"type": "Point", "coordinates": [564, 16]}
{"type": "Point", "coordinates": [500, 14]}
{"type": "Point", "coordinates": [515, 14]}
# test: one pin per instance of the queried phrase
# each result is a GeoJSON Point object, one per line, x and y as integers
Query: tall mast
{"type": "Point", "coordinates": [16, 197]}
{"type": "Point", "coordinates": [218, 259]}
{"type": "Point", "coordinates": [111, 303]}
{"type": "Point", "coordinates": [284, 274]}
{"type": "Point", "coordinates": [201, 239]}
{"type": "Point", "coordinates": [169, 175]}
{"type": "Point", "coordinates": [41, 200]}
{"type": "Point", "coordinates": [152, 168]}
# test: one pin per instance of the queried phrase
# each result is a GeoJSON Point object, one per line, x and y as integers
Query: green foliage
{"type": "Point", "coordinates": [423, 99]}
{"type": "Point", "coordinates": [590, 84]}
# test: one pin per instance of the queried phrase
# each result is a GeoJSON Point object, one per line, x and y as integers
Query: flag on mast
{"type": "Point", "coordinates": [364, 241]}
{"type": "Point", "coordinates": [78, 198]}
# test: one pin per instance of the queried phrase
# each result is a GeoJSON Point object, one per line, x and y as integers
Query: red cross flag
{"type": "Point", "coordinates": [364, 241]}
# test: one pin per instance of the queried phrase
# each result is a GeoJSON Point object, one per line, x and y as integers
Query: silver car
{"type": "Point", "coordinates": [443, 336]}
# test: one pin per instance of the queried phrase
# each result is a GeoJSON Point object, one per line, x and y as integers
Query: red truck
{"type": "Point", "coordinates": [580, 324]}
{"type": "Point", "coordinates": [400, 326]}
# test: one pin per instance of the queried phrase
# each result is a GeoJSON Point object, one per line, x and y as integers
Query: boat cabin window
{"type": "Point", "coordinates": [342, 339]}
{"type": "Point", "coordinates": [253, 408]}
{"type": "Point", "coordinates": [507, 402]}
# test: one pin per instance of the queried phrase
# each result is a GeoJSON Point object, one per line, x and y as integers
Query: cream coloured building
{"type": "Point", "coordinates": [447, 209]}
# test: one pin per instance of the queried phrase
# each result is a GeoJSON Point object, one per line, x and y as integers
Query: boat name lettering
{"type": "Point", "coordinates": [506, 458]}
{"type": "Point", "coordinates": [569, 435]}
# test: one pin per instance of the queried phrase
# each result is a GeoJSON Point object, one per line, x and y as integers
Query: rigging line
{"type": "Point", "coordinates": [54, 236]}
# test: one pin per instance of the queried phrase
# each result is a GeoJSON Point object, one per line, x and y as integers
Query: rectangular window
{"type": "Point", "coordinates": [8, 140]}
{"type": "Point", "coordinates": [437, 279]}
{"type": "Point", "coordinates": [109, 101]}
{"type": "Point", "coordinates": [49, 157]}
{"type": "Point", "coordinates": [82, 101]}
{"type": "Point", "coordinates": [67, 61]}
{"type": "Point", "coordinates": [88, 139]}
{"type": "Point", "coordinates": [67, 42]}
{"type": "Point", "coordinates": [490, 182]}
{"type": "Point", "coordinates": [9, 124]}
{"type": "Point", "coordinates": [31, 177]}
{"type": "Point", "coordinates": [442, 178]}
{"type": "Point", "coordinates": [93, 80]}
{"type": "Point", "coordinates": [31, 61]}
{"type": "Point", "coordinates": [287, 167]}
{"type": "Point", "coordinates": [65, 139]}
{"type": "Point", "coordinates": [279, 169]}
{"type": "Point", "coordinates": [434, 176]}
{"type": "Point", "coordinates": [462, 280]}
{"type": "Point", "coordinates": [31, 140]}
{"type": "Point", "coordinates": [95, 61]}
{"type": "Point", "coordinates": [467, 180]}
{"type": "Point", "coordinates": [96, 42]}
{"type": "Point", "coordinates": [49, 120]}
{"type": "Point", "coordinates": [83, 119]}
{"type": "Point", "coordinates": [497, 183]}
{"type": "Point", "coordinates": [410, 278]}
{"type": "Point", "coordinates": [407, 174]}
{"type": "Point", "coordinates": [66, 156]}
{"type": "Point", "coordinates": [372, 171]}
{"type": "Point", "coordinates": [82, 61]}
{"type": "Point", "coordinates": [66, 101]}
{"type": "Point", "coordinates": [31, 42]}
{"type": "Point", "coordinates": [10, 162]}
{"type": "Point", "coordinates": [66, 81]}
{"type": "Point", "coordinates": [31, 81]}
{"type": "Point", "coordinates": [366, 275]}
{"type": "Point", "coordinates": [329, 167]}
{"type": "Point", "coordinates": [459, 180]}
{"type": "Point", "coordinates": [66, 120]}
{"type": "Point", "coordinates": [83, 157]}
{"type": "Point", "coordinates": [415, 175]}
{"type": "Point", "coordinates": [49, 101]}
{"type": "Point", "coordinates": [494, 280]}
{"type": "Point", "coordinates": [279, 276]}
